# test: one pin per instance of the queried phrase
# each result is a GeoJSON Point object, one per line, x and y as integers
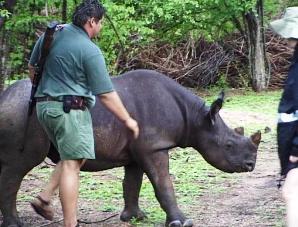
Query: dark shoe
{"type": "Point", "coordinates": [42, 208]}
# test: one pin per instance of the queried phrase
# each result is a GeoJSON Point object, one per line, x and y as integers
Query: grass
{"type": "Point", "coordinates": [9, 82]}
{"type": "Point", "coordinates": [263, 102]}
{"type": "Point", "coordinates": [190, 174]}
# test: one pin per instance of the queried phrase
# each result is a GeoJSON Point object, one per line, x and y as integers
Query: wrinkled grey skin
{"type": "Point", "coordinates": [169, 116]}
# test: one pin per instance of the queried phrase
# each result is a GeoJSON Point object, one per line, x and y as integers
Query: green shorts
{"type": "Point", "coordinates": [71, 133]}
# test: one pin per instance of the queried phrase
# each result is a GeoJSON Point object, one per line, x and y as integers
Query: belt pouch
{"type": "Point", "coordinates": [67, 102]}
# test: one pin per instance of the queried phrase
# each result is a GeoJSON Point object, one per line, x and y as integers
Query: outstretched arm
{"type": "Point", "coordinates": [113, 102]}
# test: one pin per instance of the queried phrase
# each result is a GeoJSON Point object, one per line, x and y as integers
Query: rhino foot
{"type": "Point", "coordinates": [176, 223]}
{"type": "Point", "coordinates": [188, 223]}
{"type": "Point", "coordinates": [127, 215]}
{"type": "Point", "coordinates": [13, 223]}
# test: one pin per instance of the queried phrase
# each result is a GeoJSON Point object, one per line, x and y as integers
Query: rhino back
{"type": "Point", "coordinates": [13, 107]}
{"type": "Point", "coordinates": [163, 108]}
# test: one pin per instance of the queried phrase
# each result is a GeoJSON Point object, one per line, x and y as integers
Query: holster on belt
{"type": "Point", "coordinates": [71, 102]}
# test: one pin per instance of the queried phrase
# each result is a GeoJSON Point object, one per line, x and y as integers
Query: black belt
{"type": "Point", "coordinates": [47, 98]}
{"type": "Point", "coordinates": [70, 102]}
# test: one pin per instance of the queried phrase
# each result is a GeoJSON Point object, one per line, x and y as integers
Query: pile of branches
{"type": "Point", "coordinates": [279, 56]}
{"type": "Point", "coordinates": [201, 63]}
{"type": "Point", "coordinates": [191, 64]}
{"type": "Point", "coordinates": [237, 69]}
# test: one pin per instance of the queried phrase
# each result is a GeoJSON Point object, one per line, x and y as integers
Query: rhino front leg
{"type": "Point", "coordinates": [156, 166]}
{"type": "Point", "coordinates": [10, 181]}
{"type": "Point", "coordinates": [131, 189]}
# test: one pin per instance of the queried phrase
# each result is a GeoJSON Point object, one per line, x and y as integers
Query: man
{"type": "Point", "coordinates": [74, 71]}
{"type": "Point", "coordinates": [287, 128]}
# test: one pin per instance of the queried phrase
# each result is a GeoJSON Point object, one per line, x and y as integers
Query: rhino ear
{"type": "Point", "coordinates": [216, 106]}
{"type": "Point", "coordinates": [256, 138]}
{"type": "Point", "coordinates": [239, 130]}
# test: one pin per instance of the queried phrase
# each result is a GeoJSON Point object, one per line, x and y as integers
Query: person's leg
{"type": "Point", "coordinates": [290, 195]}
{"type": "Point", "coordinates": [41, 204]}
{"type": "Point", "coordinates": [69, 189]}
{"type": "Point", "coordinates": [53, 184]}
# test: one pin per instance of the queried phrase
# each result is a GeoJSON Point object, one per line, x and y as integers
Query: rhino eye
{"type": "Point", "coordinates": [229, 145]}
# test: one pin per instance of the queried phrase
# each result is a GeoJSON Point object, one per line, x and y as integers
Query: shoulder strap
{"type": "Point", "coordinates": [45, 47]}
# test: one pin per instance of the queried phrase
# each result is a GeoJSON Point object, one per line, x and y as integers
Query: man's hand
{"type": "Point", "coordinates": [293, 159]}
{"type": "Point", "coordinates": [132, 124]}
{"type": "Point", "coordinates": [113, 102]}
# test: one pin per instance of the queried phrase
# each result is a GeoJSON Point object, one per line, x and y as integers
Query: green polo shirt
{"type": "Point", "coordinates": [74, 66]}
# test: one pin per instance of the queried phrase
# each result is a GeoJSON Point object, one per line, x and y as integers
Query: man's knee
{"type": "Point", "coordinates": [290, 187]}
{"type": "Point", "coordinates": [71, 165]}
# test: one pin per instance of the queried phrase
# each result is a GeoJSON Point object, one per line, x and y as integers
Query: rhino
{"type": "Point", "coordinates": [169, 116]}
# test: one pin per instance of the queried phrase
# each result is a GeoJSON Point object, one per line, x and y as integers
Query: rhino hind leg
{"type": "Point", "coordinates": [131, 189]}
{"type": "Point", "coordinates": [10, 181]}
{"type": "Point", "coordinates": [156, 166]}
{"type": "Point", "coordinates": [12, 174]}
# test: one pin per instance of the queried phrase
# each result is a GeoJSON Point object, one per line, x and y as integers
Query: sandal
{"type": "Point", "coordinates": [42, 208]}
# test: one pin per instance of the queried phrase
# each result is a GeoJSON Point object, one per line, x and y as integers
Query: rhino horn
{"type": "Point", "coordinates": [216, 106]}
{"type": "Point", "coordinates": [256, 138]}
{"type": "Point", "coordinates": [239, 130]}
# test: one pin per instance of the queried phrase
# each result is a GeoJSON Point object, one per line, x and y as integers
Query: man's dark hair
{"type": "Point", "coordinates": [86, 10]}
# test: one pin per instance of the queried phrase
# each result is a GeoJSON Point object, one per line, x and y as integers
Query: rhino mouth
{"type": "Point", "coordinates": [247, 166]}
{"type": "Point", "coordinates": [240, 167]}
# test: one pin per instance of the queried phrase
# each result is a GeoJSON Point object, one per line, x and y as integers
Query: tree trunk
{"type": "Point", "coordinates": [3, 60]}
{"type": "Point", "coordinates": [258, 62]}
{"type": "Point", "coordinates": [2, 79]}
{"type": "Point", "coordinates": [4, 49]}
{"type": "Point", "coordinates": [46, 9]}
{"type": "Point", "coordinates": [64, 11]}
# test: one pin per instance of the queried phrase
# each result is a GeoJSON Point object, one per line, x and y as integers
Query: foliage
{"type": "Point", "coordinates": [137, 22]}
{"type": "Point", "coordinates": [4, 13]}
{"type": "Point", "coordinates": [27, 15]}
{"type": "Point", "coordinates": [290, 3]}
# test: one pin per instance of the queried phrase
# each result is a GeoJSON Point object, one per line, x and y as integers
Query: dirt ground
{"type": "Point", "coordinates": [254, 201]}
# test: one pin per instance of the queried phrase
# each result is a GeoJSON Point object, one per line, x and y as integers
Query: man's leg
{"type": "Point", "coordinates": [41, 204]}
{"type": "Point", "coordinates": [69, 189]}
{"type": "Point", "coordinates": [53, 184]}
{"type": "Point", "coordinates": [290, 195]}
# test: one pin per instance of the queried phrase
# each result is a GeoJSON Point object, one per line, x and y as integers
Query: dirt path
{"type": "Point", "coordinates": [251, 200]}
{"type": "Point", "coordinates": [255, 200]}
